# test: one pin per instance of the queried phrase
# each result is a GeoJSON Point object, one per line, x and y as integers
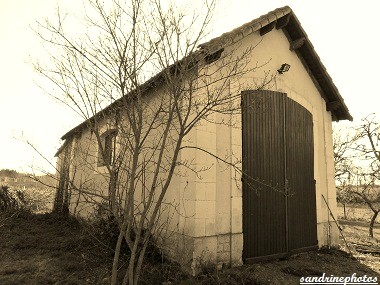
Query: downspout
{"type": "Point", "coordinates": [327, 185]}
{"type": "Point", "coordinates": [231, 174]}
{"type": "Point", "coordinates": [286, 186]}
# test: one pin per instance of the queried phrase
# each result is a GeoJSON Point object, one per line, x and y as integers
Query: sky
{"type": "Point", "coordinates": [345, 35]}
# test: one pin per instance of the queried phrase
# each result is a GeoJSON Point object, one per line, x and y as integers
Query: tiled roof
{"type": "Point", "coordinates": [281, 18]}
{"type": "Point", "coordinates": [284, 18]}
{"type": "Point", "coordinates": [246, 29]}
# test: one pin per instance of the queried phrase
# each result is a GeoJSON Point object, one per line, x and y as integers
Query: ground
{"type": "Point", "coordinates": [355, 212]}
{"type": "Point", "coordinates": [355, 230]}
{"type": "Point", "coordinates": [47, 249]}
{"type": "Point", "coordinates": [44, 249]}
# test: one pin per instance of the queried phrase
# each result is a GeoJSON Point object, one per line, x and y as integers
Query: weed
{"type": "Point", "coordinates": [51, 249]}
{"type": "Point", "coordinates": [8, 271]}
{"type": "Point", "coordinates": [296, 271]}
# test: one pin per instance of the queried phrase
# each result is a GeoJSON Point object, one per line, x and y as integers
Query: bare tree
{"type": "Point", "coordinates": [344, 147]}
{"type": "Point", "coordinates": [368, 148]}
{"type": "Point", "coordinates": [141, 59]}
{"type": "Point", "coordinates": [357, 166]}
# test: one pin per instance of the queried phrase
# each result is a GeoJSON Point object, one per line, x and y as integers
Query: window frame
{"type": "Point", "coordinates": [107, 148]}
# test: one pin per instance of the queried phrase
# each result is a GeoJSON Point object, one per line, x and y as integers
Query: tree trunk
{"type": "Point", "coordinates": [371, 224]}
{"type": "Point", "coordinates": [115, 264]}
{"type": "Point", "coordinates": [112, 191]}
{"type": "Point", "coordinates": [344, 211]}
{"type": "Point", "coordinates": [129, 277]}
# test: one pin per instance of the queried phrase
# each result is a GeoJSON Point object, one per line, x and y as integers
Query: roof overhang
{"type": "Point", "coordinates": [285, 19]}
{"type": "Point", "coordinates": [61, 149]}
{"type": "Point", "coordinates": [281, 18]}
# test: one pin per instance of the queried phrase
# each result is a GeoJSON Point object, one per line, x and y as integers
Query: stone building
{"type": "Point", "coordinates": [230, 217]}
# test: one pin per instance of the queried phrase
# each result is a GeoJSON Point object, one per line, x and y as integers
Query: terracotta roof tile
{"type": "Point", "coordinates": [247, 28]}
{"type": "Point", "coordinates": [294, 31]}
{"type": "Point", "coordinates": [308, 54]}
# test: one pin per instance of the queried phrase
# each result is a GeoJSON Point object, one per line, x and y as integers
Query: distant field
{"type": "Point", "coordinates": [356, 213]}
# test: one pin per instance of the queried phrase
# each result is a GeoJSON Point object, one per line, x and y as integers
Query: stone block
{"type": "Point", "coordinates": [206, 139]}
{"type": "Point", "coordinates": [199, 228]}
{"type": "Point", "coordinates": [179, 248]}
{"type": "Point", "coordinates": [236, 137]}
{"type": "Point", "coordinates": [210, 228]}
{"type": "Point", "coordinates": [223, 223]}
{"type": "Point", "coordinates": [189, 226]}
{"type": "Point", "coordinates": [220, 247]}
{"type": "Point", "coordinates": [328, 234]}
{"type": "Point", "coordinates": [237, 224]}
{"type": "Point", "coordinates": [334, 235]}
{"type": "Point", "coordinates": [223, 201]}
{"type": "Point", "coordinates": [188, 208]}
{"type": "Point", "coordinates": [205, 126]}
{"type": "Point", "coordinates": [205, 254]}
{"type": "Point", "coordinates": [205, 209]}
{"type": "Point", "coordinates": [237, 186]}
{"type": "Point", "coordinates": [210, 192]}
{"type": "Point", "coordinates": [222, 239]}
{"type": "Point", "coordinates": [200, 192]}
{"type": "Point", "coordinates": [187, 191]}
{"type": "Point", "coordinates": [223, 142]}
{"type": "Point", "coordinates": [236, 204]}
{"type": "Point", "coordinates": [226, 247]}
{"type": "Point", "coordinates": [224, 257]}
{"type": "Point", "coordinates": [237, 249]}
{"type": "Point", "coordinates": [206, 167]}
{"type": "Point", "coordinates": [205, 191]}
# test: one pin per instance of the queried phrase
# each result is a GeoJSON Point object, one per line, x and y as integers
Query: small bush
{"type": "Point", "coordinates": [37, 200]}
{"type": "Point", "coordinates": [12, 200]}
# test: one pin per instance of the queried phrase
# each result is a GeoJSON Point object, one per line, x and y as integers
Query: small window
{"type": "Point", "coordinates": [105, 153]}
{"type": "Point", "coordinates": [210, 58]}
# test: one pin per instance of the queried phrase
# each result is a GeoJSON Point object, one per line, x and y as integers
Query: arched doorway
{"type": "Point", "coordinates": [279, 212]}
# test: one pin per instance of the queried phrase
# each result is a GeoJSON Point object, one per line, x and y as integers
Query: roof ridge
{"type": "Point", "coordinates": [247, 28]}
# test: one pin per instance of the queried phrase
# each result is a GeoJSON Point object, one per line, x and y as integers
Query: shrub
{"type": "Point", "coordinates": [37, 200]}
{"type": "Point", "coordinates": [12, 200]}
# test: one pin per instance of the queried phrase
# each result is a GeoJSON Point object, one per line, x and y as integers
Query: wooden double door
{"type": "Point", "coordinates": [279, 211]}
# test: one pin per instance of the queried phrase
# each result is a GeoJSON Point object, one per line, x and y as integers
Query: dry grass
{"type": "Point", "coordinates": [356, 234]}
{"type": "Point", "coordinates": [289, 270]}
{"type": "Point", "coordinates": [46, 249]}
{"type": "Point", "coordinates": [355, 212]}
{"type": "Point", "coordinates": [355, 230]}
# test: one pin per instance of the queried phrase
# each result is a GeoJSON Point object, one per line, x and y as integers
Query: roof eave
{"type": "Point", "coordinates": [60, 149]}
{"type": "Point", "coordinates": [310, 58]}
{"type": "Point", "coordinates": [284, 19]}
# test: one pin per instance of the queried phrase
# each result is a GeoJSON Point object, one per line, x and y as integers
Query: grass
{"type": "Point", "coordinates": [356, 212]}
{"type": "Point", "coordinates": [356, 234]}
{"type": "Point", "coordinates": [48, 249]}
{"type": "Point", "coordinates": [355, 230]}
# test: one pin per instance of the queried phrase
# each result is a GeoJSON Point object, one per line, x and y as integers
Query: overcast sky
{"type": "Point", "coordinates": [345, 34]}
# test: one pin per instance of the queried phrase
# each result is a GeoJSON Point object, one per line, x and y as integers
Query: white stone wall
{"type": "Point", "coordinates": [218, 210]}
{"type": "Point", "coordinates": [206, 228]}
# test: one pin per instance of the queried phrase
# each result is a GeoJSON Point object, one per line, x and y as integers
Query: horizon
{"type": "Point", "coordinates": [34, 117]}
